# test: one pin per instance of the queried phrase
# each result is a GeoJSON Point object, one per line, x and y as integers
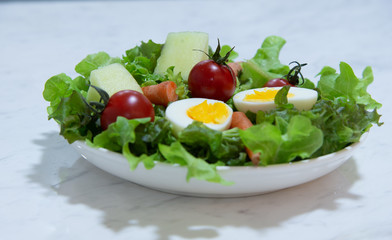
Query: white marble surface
{"type": "Point", "coordinates": [47, 191]}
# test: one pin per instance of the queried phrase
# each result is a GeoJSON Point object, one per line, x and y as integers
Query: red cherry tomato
{"type": "Point", "coordinates": [277, 82]}
{"type": "Point", "coordinates": [209, 79]}
{"type": "Point", "coordinates": [129, 104]}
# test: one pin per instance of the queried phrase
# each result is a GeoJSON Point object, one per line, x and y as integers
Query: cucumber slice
{"type": "Point", "coordinates": [183, 50]}
{"type": "Point", "coordinates": [111, 78]}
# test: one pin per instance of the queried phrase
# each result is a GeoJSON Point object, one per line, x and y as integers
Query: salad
{"type": "Point", "coordinates": [182, 103]}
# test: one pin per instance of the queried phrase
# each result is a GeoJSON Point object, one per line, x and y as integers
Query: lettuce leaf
{"type": "Point", "coordinates": [213, 146]}
{"type": "Point", "coordinates": [67, 107]}
{"type": "Point", "coordinates": [137, 139]}
{"type": "Point", "coordinates": [285, 142]}
{"type": "Point", "coordinates": [197, 168]}
{"type": "Point", "coordinates": [342, 121]}
{"type": "Point", "coordinates": [94, 61]}
{"type": "Point", "coordinates": [265, 65]}
{"type": "Point", "coordinates": [60, 86]}
{"type": "Point", "coordinates": [225, 49]}
{"type": "Point", "coordinates": [182, 89]}
{"type": "Point", "coordinates": [333, 85]}
{"type": "Point", "coordinates": [66, 97]}
{"type": "Point", "coordinates": [141, 61]}
{"type": "Point", "coordinates": [344, 111]}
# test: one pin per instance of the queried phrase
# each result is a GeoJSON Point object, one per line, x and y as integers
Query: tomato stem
{"type": "Point", "coordinates": [292, 76]}
{"type": "Point", "coordinates": [98, 107]}
{"type": "Point", "coordinates": [216, 57]}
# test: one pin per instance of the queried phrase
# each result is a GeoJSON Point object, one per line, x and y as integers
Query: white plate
{"type": "Point", "coordinates": [248, 181]}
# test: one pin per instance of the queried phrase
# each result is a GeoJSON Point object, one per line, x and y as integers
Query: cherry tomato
{"type": "Point", "coordinates": [129, 104]}
{"type": "Point", "coordinates": [209, 79]}
{"type": "Point", "coordinates": [277, 82]}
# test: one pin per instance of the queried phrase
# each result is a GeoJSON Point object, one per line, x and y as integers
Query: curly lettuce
{"type": "Point", "coordinates": [343, 112]}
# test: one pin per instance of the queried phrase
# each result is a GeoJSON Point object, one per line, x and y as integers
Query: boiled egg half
{"type": "Point", "coordinates": [212, 113]}
{"type": "Point", "coordinates": [262, 99]}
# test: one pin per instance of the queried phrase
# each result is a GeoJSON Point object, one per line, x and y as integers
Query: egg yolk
{"type": "Point", "coordinates": [263, 96]}
{"type": "Point", "coordinates": [216, 113]}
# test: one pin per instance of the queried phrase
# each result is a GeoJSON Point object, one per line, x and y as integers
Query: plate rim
{"type": "Point", "coordinates": [224, 168]}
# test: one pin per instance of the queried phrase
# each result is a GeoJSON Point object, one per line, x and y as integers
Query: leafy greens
{"type": "Point", "coordinates": [343, 112]}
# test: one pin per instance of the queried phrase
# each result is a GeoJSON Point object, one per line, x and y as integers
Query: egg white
{"type": "Point", "coordinates": [176, 113]}
{"type": "Point", "coordinates": [303, 99]}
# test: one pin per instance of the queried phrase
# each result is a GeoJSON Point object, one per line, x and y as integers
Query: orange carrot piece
{"type": "Point", "coordinates": [162, 93]}
{"type": "Point", "coordinates": [241, 121]}
{"type": "Point", "coordinates": [236, 67]}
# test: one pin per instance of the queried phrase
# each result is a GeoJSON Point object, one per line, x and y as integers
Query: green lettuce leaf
{"type": "Point", "coordinates": [344, 111]}
{"type": "Point", "coordinates": [137, 139]}
{"type": "Point", "coordinates": [76, 120]}
{"type": "Point", "coordinates": [297, 138]}
{"type": "Point", "coordinates": [141, 61]}
{"type": "Point", "coordinates": [182, 89]}
{"type": "Point", "coordinates": [197, 167]}
{"type": "Point", "coordinates": [67, 107]}
{"type": "Point", "coordinates": [346, 84]}
{"type": "Point", "coordinates": [341, 121]}
{"type": "Point", "coordinates": [94, 61]}
{"type": "Point", "coordinates": [213, 146]}
{"type": "Point", "coordinates": [225, 49]}
{"type": "Point", "coordinates": [60, 86]}
{"type": "Point", "coordinates": [265, 65]}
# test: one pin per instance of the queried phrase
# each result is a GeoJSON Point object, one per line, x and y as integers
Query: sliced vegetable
{"type": "Point", "coordinates": [111, 78]}
{"type": "Point", "coordinates": [162, 93]}
{"type": "Point", "coordinates": [241, 121]}
{"type": "Point", "coordinates": [179, 51]}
